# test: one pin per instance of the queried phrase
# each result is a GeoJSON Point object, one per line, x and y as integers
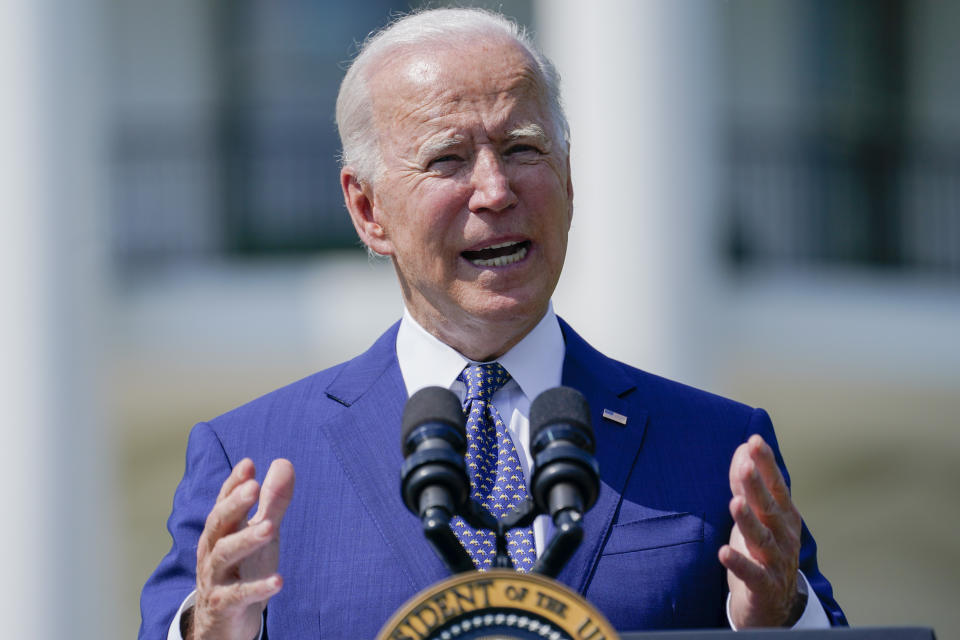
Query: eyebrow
{"type": "Point", "coordinates": [434, 147]}
{"type": "Point", "coordinates": [531, 130]}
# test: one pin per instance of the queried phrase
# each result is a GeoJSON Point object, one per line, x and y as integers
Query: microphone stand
{"type": "Point", "coordinates": [564, 543]}
{"type": "Point", "coordinates": [437, 530]}
{"type": "Point", "coordinates": [566, 540]}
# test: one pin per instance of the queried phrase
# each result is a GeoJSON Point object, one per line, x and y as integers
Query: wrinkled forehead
{"type": "Point", "coordinates": [422, 85]}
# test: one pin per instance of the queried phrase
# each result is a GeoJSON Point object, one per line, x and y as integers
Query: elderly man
{"type": "Point", "coordinates": [456, 166]}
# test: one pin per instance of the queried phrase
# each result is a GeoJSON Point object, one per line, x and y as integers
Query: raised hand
{"type": "Point", "coordinates": [237, 560]}
{"type": "Point", "coordinates": [763, 555]}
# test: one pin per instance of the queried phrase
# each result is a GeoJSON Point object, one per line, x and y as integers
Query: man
{"type": "Point", "coordinates": [456, 166]}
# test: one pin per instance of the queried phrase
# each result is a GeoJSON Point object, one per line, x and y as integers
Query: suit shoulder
{"type": "Point", "coordinates": [652, 391]}
{"type": "Point", "coordinates": [312, 395]}
{"type": "Point", "coordinates": [686, 414]}
{"type": "Point", "coordinates": [285, 398]}
{"type": "Point", "coordinates": [653, 387]}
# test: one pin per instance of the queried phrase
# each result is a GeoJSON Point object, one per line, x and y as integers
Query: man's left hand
{"type": "Point", "coordinates": [763, 555]}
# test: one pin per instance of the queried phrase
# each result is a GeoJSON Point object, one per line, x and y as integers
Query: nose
{"type": "Point", "coordinates": [491, 184]}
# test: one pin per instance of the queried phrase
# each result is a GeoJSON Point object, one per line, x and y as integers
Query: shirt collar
{"type": "Point", "coordinates": [535, 363]}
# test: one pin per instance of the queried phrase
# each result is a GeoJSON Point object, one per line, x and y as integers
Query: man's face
{"type": "Point", "coordinates": [474, 199]}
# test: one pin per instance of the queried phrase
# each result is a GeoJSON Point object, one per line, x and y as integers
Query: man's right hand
{"type": "Point", "coordinates": [237, 560]}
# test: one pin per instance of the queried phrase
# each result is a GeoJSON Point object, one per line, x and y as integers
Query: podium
{"type": "Point", "coordinates": [840, 633]}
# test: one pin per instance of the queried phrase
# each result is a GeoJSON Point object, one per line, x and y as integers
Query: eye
{"type": "Point", "coordinates": [444, 161]}
{"type": "Point", "coordinates": [522, 148]}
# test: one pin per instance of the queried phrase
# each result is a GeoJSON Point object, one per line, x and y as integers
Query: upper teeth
{"type": "Point", "coordinates": [500, 246]}
{"type": "Point", "coordinates": [500, 261]}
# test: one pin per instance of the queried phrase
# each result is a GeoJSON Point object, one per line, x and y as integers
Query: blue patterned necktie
{"type": "Point", "coordinates": [496, 477]}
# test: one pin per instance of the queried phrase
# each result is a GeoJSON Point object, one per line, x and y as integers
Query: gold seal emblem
{"type": "Point", "coordinates": [497, 605]}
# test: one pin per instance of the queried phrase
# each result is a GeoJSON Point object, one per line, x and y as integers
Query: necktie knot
{"type": "Point", "coordinates": [483, 380]}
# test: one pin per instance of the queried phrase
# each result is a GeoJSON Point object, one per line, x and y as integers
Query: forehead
{"type": "Point", "coordinates": [490, 83]}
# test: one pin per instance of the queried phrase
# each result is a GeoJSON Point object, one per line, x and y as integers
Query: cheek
{"type": "Point", "coordinates": [547, 179]}
{"type": "Point", "coordinates": [427, 240]}
{"type": "Point", "coordinates": [555, 210]}
{"type": "Point", "coordinates": [441, 216]}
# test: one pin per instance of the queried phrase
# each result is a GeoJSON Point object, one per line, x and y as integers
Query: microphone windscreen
{"type": "Point", "coordinates": [432, 405]}
{"type": "Point", "coordinates": [561, 406]}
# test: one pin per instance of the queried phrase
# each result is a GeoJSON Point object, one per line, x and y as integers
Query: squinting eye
{"type": "Point", "coordinates": [522, 148]}
{"type": "Point", "coordinates": [447, 158]}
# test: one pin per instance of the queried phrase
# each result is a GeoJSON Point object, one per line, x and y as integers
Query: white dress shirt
{"type": "Point", "coordinates": [535, 364]}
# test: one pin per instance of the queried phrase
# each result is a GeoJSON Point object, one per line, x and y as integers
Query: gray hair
{"type": "Point", "coordinates": [358, 135]}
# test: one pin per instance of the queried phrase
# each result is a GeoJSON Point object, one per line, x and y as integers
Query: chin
{"type": "Point", "coordinates": [508, 309]}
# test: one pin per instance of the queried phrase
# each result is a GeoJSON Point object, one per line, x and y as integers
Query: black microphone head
{"type": "Point", "coordinates": [565, 474]}
{"type": "Point", "coordinates": [563, 407]}
{"type": "Point", "coordinates": [438, 407]}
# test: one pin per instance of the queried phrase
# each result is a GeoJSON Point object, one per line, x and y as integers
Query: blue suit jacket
{"type": "Point", "coordinates": [351, 553]}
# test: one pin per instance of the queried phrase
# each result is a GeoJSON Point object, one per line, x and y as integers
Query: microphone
{"type": "Point", "coordinates": [433, 475]}
{"type": "Point", "coordinates": [566, 477]}
{"type": "Point", "coordinates": [433, 478]}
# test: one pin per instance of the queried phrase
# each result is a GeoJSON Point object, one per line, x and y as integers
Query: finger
{"type": "Point", "coordinates": [757, 538]}
{"type": "Point", "coordinates": [741, 457]}
{"type": "Point", "coordinates": [242, 471]}
{"type": "Point", "coordinates": [766, 463]}
{"type": "Point", "coordinates": [755, 491]}
{"type": "Point", "coordinates": [277, 492]}
{"type": "Point", "coordinates": [779, 515]}
{"type": "Point", "coordinates": [243, 594]}
{"type": "Point", "coordinates": [236, 547]}
{"type": "Point", "coordinates": [752, 575]}
{"type": "Point", "coordinates": [228, 514]}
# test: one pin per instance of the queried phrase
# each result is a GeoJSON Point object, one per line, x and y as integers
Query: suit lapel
{"type": "Point", "coordinates": [605, 386]}
{"type": "Point", "coordinates": [367, 441]}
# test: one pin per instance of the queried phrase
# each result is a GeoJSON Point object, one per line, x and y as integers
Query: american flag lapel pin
{"type": "Point", "coordinates": [613, 416]}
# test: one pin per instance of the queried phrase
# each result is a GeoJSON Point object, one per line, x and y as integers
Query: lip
{"type": "Point", "coordinates": [498, 240]}
{"type": "Point", "coordinates": [486, 256]}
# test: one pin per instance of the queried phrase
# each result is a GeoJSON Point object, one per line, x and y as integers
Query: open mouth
{"type": "Point", "coordinates": [498, 255]}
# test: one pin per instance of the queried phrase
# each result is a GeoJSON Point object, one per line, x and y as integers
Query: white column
{"type": "Point", "coordinates": [639, 85]}
{"type": "Point", "coordinates": [57, 530]}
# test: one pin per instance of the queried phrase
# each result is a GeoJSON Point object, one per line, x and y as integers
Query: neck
{"type": "Point", "coordinates": [478, 339]}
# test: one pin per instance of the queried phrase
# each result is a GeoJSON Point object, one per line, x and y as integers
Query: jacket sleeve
{"type": "Point", "coordinates": [207, 466]}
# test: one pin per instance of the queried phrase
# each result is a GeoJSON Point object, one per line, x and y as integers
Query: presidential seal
{"type": "Point", "coordinates": [497, 605]}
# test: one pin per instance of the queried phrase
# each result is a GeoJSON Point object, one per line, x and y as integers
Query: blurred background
{"type": "Point", "coordinates": [767, 205]}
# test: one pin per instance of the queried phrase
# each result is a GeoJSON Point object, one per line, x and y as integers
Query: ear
{"type": "Point", "coordinates": [569, 191]}
{"type": "Point", "coordinates": [359, 197]}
